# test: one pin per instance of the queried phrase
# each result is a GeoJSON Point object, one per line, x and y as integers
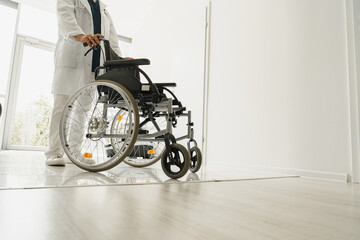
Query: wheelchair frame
{"type": "Point", "coordinates": [159, 105]}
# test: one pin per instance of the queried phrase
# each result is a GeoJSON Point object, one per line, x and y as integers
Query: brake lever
{"type": "Point", "coordinates": [88, 51]}
{"type": "Point", "coordinates": [94, 48]}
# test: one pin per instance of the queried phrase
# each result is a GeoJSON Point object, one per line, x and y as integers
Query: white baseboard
{"type": "Point", "coordinates": [333, 176]}
{"type": "Point", "coordinates": [342, 177]}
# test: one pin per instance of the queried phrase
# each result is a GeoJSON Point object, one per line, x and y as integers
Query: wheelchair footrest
{"type": "Point", "coordinates": [141, 151]}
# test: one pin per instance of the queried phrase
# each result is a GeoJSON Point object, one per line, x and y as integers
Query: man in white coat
{"type": "Point", "coordinates": [79, 21]}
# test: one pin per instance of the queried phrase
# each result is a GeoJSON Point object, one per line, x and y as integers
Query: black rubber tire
{"type": "Point", "coordinates": [195, 159]}
{"type": "Point", "coordinates": [175, 148]}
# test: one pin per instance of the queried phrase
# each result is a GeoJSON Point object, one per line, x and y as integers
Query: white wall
{"type": "Point", "coordinates": [279, 92]}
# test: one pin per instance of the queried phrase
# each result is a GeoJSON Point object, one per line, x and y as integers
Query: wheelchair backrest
{"type": "Point", "coordinates": [125, 75]}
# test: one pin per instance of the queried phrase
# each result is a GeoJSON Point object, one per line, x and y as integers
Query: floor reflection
{"type": "Point", "coordinates": [28, 170]}
{"type": "Point", "coordinates": [21, 169]}
{"type": "Point", "coordinates": [89, 178]}
{"type": "Point", "coordinates": [123, 176]}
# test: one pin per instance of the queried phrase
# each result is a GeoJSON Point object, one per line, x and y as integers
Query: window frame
{"type": "Point", "coordinates": [21, 42]}
{"type": "Point", "coordinates": [16, 6]}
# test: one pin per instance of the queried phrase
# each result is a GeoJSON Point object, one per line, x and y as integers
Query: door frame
{"type": "Point", "coordinates": [353, 41]}
{"type": "Point", "coordinates": [204, 140]}
{"type": "Point", "coordinates": [21, 42]}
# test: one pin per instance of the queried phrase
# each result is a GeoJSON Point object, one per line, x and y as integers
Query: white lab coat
{"type": "Point", "coordinates": [72, 68]}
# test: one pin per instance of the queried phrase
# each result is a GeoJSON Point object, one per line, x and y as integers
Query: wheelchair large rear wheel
{"type": "Point", "coordinates": [146, 151]}
{"type": "Point", "coordinates": [85, 126]}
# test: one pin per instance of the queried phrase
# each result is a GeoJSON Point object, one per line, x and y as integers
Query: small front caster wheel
{"type": "Point", "coordinates": [175, 163]}
{"type": "Point", "coordinates": [195, 159]}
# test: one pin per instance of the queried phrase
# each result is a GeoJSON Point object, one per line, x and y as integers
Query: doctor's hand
{"type": "Point", "coordinates": [90, 39]}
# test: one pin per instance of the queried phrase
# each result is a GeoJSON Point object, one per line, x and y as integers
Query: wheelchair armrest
{"type": "Point", "coordinates": [165, 84]}
{"type": "Point", "coordinates": [127, 62]}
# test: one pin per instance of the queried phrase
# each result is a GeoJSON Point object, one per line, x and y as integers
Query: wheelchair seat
{"type": "Point", "coordinates": [127, 62]}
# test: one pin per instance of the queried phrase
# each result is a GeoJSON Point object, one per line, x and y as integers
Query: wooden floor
{"type": "Point", "coordinates": [286, 208]}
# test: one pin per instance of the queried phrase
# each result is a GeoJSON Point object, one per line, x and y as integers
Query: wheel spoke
{"type": "Point", "coordinates": [87, 109]}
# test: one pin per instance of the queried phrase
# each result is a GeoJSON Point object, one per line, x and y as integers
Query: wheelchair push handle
{"type": "Point", "coordinates": [100, 39]}
{"type": "Point", "coordinates": [94, 47]}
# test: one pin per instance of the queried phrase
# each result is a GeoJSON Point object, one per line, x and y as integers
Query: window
{"type": "Point", "coordinates": [30, 127]}
{"type": "Point", "coordinates": [8, 13]}
{"type": "Point", "coordinates": [30, 100]}
{"type": "Point", "coordinates": [38, 23]}
{"type": "Point", "coordinates": [125, 46]}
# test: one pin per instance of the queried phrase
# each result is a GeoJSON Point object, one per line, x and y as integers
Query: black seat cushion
{"type": "Point", "coordinates": [127, 62]}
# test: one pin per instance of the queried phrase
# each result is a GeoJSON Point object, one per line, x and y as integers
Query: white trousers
{"type": "Point", "coordinates": [55, 147]}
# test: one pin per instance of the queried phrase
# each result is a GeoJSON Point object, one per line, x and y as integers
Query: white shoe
{"type": "Point", "coordinates": [58, 160]}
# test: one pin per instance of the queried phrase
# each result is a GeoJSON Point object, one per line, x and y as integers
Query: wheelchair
{"type": "Point", "coordinates": [124, 116]}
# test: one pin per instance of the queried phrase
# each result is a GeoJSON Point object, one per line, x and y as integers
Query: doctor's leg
{"type": "Point", "coordinates": [55, 149]}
